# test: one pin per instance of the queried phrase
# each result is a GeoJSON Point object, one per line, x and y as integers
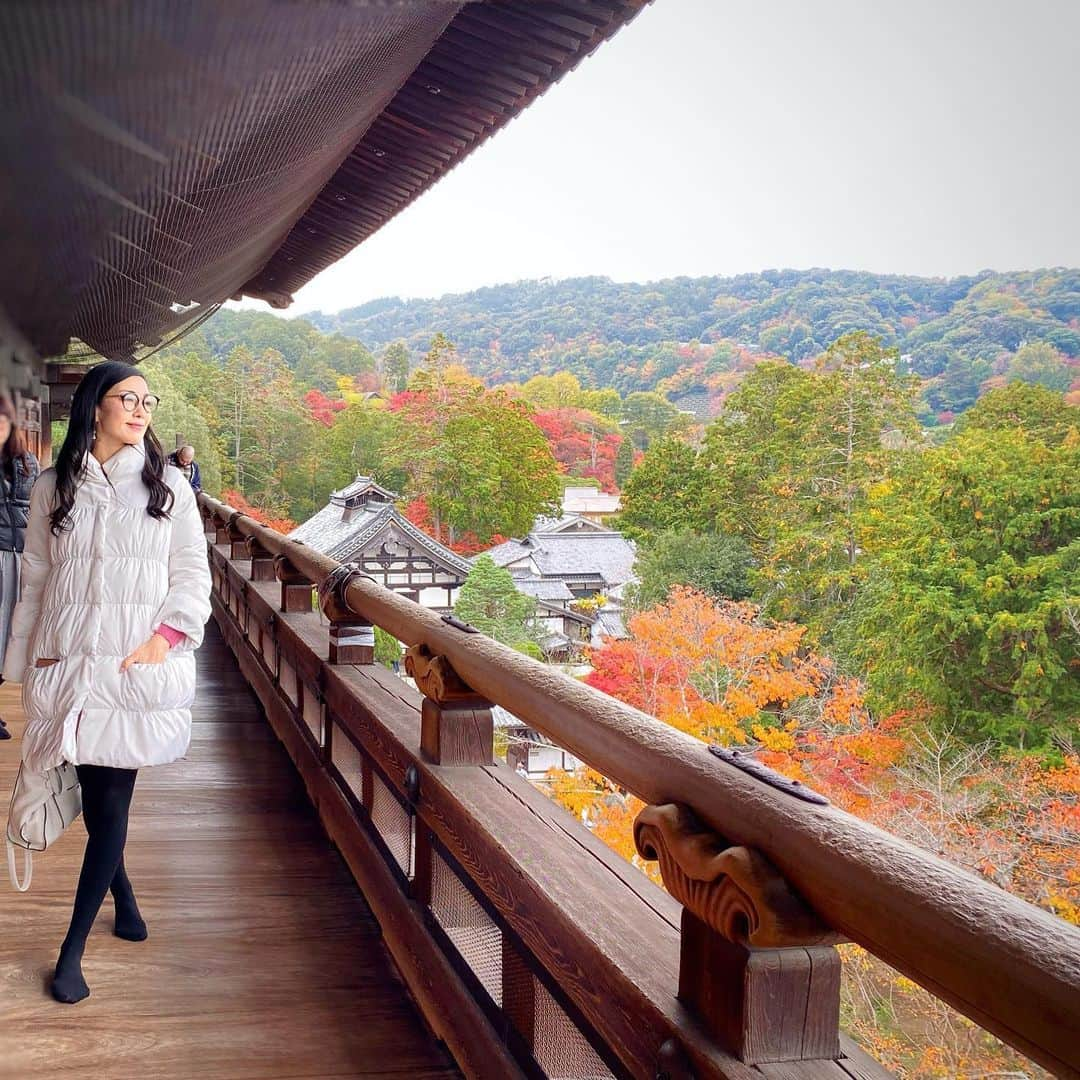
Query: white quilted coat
{"type": "Point", "coordinates": [92, 595]}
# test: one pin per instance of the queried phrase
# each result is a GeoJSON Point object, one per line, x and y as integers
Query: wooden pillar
{"type": "Point", "coordinates": [236, 540]}
{"type": "Point", "coordinates": [352, 643]}
{"type": "Point", "coordinates": [262, 561]}
{"type": "Point", "coordinates": [456, 725]}
{"type": "Point", "coordinates": [352, 638]}
{"type": "Point", "coordinates": [295, 587]}
{"type": "Point", "coordinates": [755, 963]}
{"type": "Point", "coordinates": [221, 529]}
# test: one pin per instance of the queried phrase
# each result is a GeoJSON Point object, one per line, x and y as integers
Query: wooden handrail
{"type": "Point", "coordinates": [1008, 965]}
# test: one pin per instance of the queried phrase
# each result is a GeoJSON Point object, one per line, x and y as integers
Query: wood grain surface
{"type": "Point", "coordinates": [263, 962]}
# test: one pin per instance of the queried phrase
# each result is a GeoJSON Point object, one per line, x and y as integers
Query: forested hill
{"type": "Point", "coordinates": [686, 335]}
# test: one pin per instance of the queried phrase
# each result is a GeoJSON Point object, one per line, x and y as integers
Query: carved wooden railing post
{"type": "Point", "coordinates": [262, 561]}
{"type": "Point", "coordinates": [229, 533]}
{"type": "Point", "coordinates": [352, 639]}
{"type": "Point", "coordinates": [220, 522]}
{"type": "Point", "coordinates": [456, 725]}
{"type": "Point", "coordinates": [756, 964]}
{"type": "Point", "coordinates": [295, 586]}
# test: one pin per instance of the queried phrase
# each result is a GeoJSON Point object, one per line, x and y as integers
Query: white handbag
{"type": "Point", "coordinates": [43, 805]}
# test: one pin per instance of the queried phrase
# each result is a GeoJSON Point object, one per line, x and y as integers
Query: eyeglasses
{"type": "Point", "coordinates": [130, 399]}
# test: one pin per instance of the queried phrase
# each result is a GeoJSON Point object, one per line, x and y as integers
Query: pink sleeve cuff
{"type": "Point", "coordinates": [172, 636]}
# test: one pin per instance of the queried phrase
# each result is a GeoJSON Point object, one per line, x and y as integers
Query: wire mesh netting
{"type": "Point", "coordinates": [349, 763]}
{"type": "Point", "coordinates": [393, 823]}
{"type": "Point", "coordinates": [559, 1047]}
{"type": "Point", "coordinates": [475, 936]}
{"type": "Point", "coordinates": [312, 712]}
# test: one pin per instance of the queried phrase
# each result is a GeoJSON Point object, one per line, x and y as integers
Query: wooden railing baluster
{"type": "Point", "coordinates": [456, 725]}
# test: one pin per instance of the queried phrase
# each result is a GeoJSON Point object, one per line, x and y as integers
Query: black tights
{"type": "Point", "coordinates": [106, 799]}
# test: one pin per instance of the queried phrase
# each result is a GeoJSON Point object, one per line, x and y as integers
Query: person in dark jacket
{"type": "Point", "coordinates": [18, 471]}
{"type": "Point", "coordinates": [184, 460]}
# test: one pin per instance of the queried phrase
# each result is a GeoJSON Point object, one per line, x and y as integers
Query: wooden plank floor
{"type": "Point", "coordinates": [263, 959]}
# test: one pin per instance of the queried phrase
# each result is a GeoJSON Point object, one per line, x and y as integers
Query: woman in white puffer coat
{"type": "Point", "coordinates": [115, 593]}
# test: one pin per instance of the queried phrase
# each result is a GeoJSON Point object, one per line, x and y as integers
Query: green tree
{"type": "Point", "coordinates": [176, 415]}
{"type": "Point", "coordinates": [790, 462]}
{"type": "Point", "coordinates": [1038, 362]}
{"type": "Point", "coordinates": [972, 600]}
{"type": "Point", "coordinates": [559, 391]}
{"type": "Point", "coordinates": [624, 462]}
{"type": "Point", "coordinates": [490, 601]}
{"type": "Point", "coordinates": [666, 491]}
{"type": "Point", "coordinates": [395, 366]}
{"type": "Point", "coordinates": [491, 471]}
{"type": "Point", "coordinates": [358, 442]}
{"type": "Point", "coordinates": [647, 416]}
{"type": "Point", "coordinates": [715, 565]}
{"type": "Point", "coordinates": [606, 402]}
{"type": "Point", "coordinates": [387, 648]}
{"type": "Point", "coordinates": [1041, 412]}
{"type": "Point", "coordinates": [957, 388]}
{"type": "Point", "coordinates": [268, 433]}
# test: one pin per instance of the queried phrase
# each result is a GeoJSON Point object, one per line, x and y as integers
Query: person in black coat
{"type": "Point", "coordinates": [18, 471]}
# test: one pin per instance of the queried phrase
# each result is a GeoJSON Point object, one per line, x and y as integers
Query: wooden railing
{"type": "Point", "coordinates": [534, 950]}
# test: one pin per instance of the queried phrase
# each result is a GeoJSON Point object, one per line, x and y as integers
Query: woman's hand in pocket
{"type": "Point", "coordinates": [153, 651]}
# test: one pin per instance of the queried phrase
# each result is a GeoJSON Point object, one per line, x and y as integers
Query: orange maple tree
{"type": "Point", "coordinates": [237, 501]}
{"type": "Point", "coordinates": [722, 673]}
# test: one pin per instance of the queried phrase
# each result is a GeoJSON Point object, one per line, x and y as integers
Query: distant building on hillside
{"type": "Point", "coordinates": [566, 560]}
{"type": "Point", "coordinates": [588, 559]}
{"type": "Point", "coordinates": [360, 524]}
{"type": "Point", "coordinates": [590, 502]}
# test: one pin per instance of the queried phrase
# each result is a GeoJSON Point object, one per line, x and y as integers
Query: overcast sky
{"type": "Point", "coordinates": [725, 136]}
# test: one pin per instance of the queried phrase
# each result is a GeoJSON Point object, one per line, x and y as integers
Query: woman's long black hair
{"type": "Point", "coordinates": [95, 384]}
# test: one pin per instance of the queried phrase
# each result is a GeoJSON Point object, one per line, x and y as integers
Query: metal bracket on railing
{"type": "Point", "coordinates": [352, 637]}
{"type": "Point", "coordinates": [457, 624]}
{"type": "Point", "coordinates": [332, 591]}
{"type": "Point", "coordinates": [748, 764]}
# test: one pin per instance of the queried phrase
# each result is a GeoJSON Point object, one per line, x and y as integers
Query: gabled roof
{"type": "Point", "coordinates": [392, 520]}
{"type": "Point", "coordinates": [329, 528]}
{"type": "Point", "coordinates": [606, 554]}
{"type": "Point", "coordinates": [543, 588]}
{"type": "Point", "coordinates": [568, 523]}
{"type": "Point", "coordinates": [331, 533]}
{"type": "Point", "coordinates": [360, 487]}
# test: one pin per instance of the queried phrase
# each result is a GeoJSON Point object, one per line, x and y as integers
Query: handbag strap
{"type": "Point", "coordinates": [28, 867]}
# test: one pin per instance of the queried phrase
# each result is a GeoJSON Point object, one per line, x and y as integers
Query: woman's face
{"type": "Point", "coordinates": [5, 429]}
{"type": "Point", "coordinates": [114, 422]}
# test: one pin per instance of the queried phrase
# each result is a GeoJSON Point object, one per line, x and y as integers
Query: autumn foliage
{"type": "Point", "coordinates": [722, 673]}
{"type": "Point", "coordinates": [467, 543]}
{"type": "Point", "coordinates": [238, 502]}
{"type": "Point", "coordinates": [583, 444]}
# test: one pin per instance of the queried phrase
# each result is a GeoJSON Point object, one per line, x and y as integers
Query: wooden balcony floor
{"type": "Point", "coordinates": [263, 959]}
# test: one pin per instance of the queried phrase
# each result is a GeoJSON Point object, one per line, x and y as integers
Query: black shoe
{"type": "Point", "coordinates": [4, 733]}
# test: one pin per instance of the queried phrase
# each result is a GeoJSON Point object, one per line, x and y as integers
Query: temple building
{"type": "Point", "coordinates": [584, 558]}
{"type": "Point", "coordinates": [590, 502]}
{"type": "Point", "coordinates": [561, 562]}
{"type": "Point", "coordinates": [360, 524]}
